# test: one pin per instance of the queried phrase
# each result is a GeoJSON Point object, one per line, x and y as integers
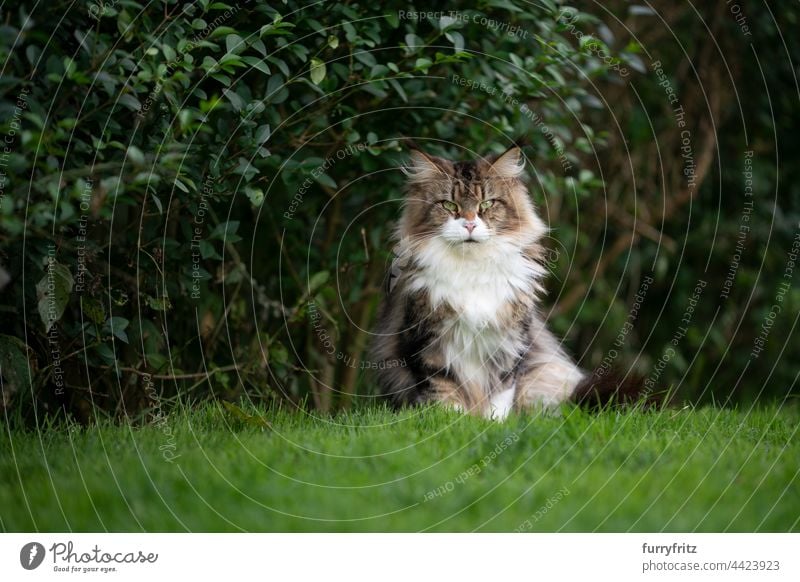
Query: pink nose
{"type": "Point", "coordinates": [470, 226]}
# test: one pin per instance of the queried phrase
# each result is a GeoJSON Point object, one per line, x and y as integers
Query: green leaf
{"type": "Point", "coordinates": [181, 186]}
{"type": "Point", "coordinates": [318, 71]}
{"type": "Point", "coordinates": [262, 134]}
{"type": "Point", "coordinates": [106, 353]}
{"type": "Point", "coordinates": [16, 366]}
{"type": "Point", "coordinates": [136, 156]}
{"type": "Point", "coordinates": [158, 303]}
{"type": "Point", "coordinates": [158, 203]}
{"type": "Point", "coordinates": [231, 60]}
{"type": "Point", "coordinates": [276, 91]}
{"type": "Point", "coordinates": [225, 230]}
{"type": "Point", "coordinates": [119, 297]}
{"type": "Point", "coordinates": [392, 19]}
{"type": "Point", "coordinates": [255, 195]}
{"type": "Point", "coordinates": [207, 250]}
{"type": "Point", "coordinates": [366, 59]}
{"type": "Point", "coordinates": [53, 292]}
{"type": "Point", "coordinates": [414, 43]}
{"type": "Point", "coordinates": [209, 64]}
{"type": "Point", "coordinates": [326, 180]}
{"type": "Point", "coordinates": [69, 67]}
{"type": "Point", "coordinates": [117, 326]}
{"type": "Point", "coordinates": [457, 39]}
{"type": "Point", "coordinates": [221, 31]}
{"type": "Point", "coordinates": [422, 64]}
{"type": "Point", "coordinates": [278, 354]}
{"type": "Point", "coordinates": [234, 43]}
{"type": "Point", "coordinates": [130, 102]}
{"type": "Point", "coordinates": [234, 98]}
{"type": "Point", "coordinates": [317, 280]}
{"type": "Point", "coordinates": [260, 47]}
{"type": "Point", "coordinates": [93, 309]}
{"type": "Point", "coordinates": [397, 87]}
{"type": "Point", "coordinates": [169, 52]}
{"type": "Point", "coordinates": [556, 74]}
{"type": "Point", "coordinates": [256, 63]}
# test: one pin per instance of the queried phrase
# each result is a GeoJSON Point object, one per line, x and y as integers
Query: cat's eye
{"type": "Point", "coordinates": [450, 206]}
{"type": "Point", "coordinates": [487, 204]}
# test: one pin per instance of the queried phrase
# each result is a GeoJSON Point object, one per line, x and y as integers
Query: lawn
{"type": "Point", "coordinates": [216, 469]}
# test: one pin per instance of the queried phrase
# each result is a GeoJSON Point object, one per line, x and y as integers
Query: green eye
{"type": "Point", "coordinates": [487, 204]}
{"type": "Point", "coordinates": [451, 206]}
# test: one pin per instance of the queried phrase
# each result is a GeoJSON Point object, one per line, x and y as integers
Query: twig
{"type": "Point", "coordinates": [229, 368]}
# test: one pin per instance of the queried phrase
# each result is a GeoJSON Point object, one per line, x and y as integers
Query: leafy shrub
{"type": "Point", "coordinates": [197, 198]}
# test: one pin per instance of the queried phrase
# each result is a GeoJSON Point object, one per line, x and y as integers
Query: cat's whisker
{"type": "Point", "coordinates": [427, 234]}
{"type": "Point", "coordinates": [417, 240]}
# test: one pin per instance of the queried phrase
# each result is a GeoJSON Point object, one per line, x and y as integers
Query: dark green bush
{"type": "Point", "coordinates": [198, 197]}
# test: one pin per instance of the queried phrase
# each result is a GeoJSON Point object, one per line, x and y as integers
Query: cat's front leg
{"type": "Point", "coordinates": [501, 403]}
{"type": "Point", "coordinates": [545, 385]}
{"type": "Point", "coordinates": [443, 390]}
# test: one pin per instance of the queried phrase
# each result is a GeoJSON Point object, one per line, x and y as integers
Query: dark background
{"type": "Point", "coordinates": [167, 234]}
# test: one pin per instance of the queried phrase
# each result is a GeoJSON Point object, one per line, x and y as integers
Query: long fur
{"type": "Point", "coordinates": [615, 389]}
{"type": "Point", "coordinates": [461, 310]}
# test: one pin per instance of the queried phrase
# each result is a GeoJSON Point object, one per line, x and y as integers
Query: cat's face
{"type": "Point", "coordinates": [467, 203]}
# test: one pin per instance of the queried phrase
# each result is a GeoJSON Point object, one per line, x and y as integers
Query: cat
{"type": "Point", "coordinates": [462, 307]}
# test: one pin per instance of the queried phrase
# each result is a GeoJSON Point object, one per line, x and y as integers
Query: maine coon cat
{"type": "Point", "coordinates": [462, 303]}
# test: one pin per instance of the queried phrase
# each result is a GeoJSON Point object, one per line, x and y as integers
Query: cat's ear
{"type": "Point", "coordinates": [509, 164]}
{"type": "Point", "coordinates": [422, 167]}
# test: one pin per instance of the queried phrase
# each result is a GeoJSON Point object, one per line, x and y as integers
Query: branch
{"type": "Point", "coordinates": [208, 374]}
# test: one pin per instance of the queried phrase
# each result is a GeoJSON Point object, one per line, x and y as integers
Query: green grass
{"type": "Point", "coordinates": [374, 470]}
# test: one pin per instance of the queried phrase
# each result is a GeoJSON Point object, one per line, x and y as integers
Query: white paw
{"type": "Point", "coordinates": [500, 404]}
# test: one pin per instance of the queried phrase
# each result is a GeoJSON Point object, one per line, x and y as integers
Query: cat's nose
{"type": "Point", "coordinates": [470, 226]}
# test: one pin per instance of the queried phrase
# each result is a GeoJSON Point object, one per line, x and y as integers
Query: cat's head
{"type": "Point", "coordinates": [468, 204]}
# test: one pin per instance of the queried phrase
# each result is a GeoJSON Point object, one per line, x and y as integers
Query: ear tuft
{"type": "Point", "coordinates": [421, 167]}
{"type": "Point", "coordinates": [509, 164]}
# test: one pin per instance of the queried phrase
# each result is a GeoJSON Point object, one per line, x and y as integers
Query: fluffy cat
{"type": "Point", "coordinates": [461, 308]}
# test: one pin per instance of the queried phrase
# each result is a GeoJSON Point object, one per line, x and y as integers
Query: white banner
{"type": "Point", "coordinates": [390, 557]}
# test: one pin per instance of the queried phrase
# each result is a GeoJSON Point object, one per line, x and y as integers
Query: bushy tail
{"type": "Point", "coordinates": [607, 389]}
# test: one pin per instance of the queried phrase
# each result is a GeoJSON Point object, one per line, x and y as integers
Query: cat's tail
{"type": "Point", "coordinates": [611, 388]}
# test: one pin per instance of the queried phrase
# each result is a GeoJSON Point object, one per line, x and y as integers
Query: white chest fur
{"type": "Point", "coordinates": [476, 280]}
